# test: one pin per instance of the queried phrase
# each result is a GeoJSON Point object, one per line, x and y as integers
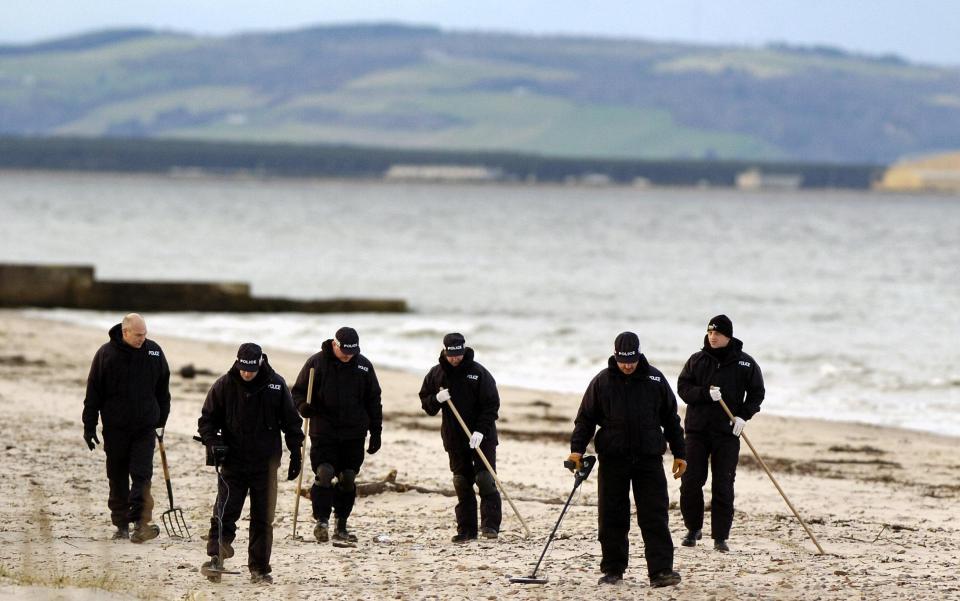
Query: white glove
{"type": "Point", "coordinates": [715, 393]}
{"type": "Point", "coordinates": [475, 440]}
{"type": "Point", "coordinates": [738, 423]}
{"type": "Point", "coordinates": [443, 396]}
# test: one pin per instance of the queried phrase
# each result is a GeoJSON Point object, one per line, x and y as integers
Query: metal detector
{"type": "Point", "coordinates": [578, 477]}
{"type": "Point", "coordinates": [215, 456]}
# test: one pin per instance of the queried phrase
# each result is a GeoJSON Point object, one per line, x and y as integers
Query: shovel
{"type": "Point", "coordinates": [173, 520]}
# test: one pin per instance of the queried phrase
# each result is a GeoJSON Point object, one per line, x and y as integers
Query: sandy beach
{"type": "Point", "coordinates": [882, 502]}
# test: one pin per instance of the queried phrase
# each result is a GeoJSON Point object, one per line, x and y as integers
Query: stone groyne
{"type": "Point", "coordinates": [75, 287]}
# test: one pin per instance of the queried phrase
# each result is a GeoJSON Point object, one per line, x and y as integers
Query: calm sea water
{"type": "Point", "coordinates": [848, 301]}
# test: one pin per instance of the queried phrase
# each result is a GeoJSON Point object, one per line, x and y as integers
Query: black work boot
{"type": "Point", "coordinates": [143, 532]}
{"type": "Point", "coordinates": [611, 578]}
{"type": "Point", "coordinates": [489, 533]}
{"type": "Point", "coordinates": [258, 577]}
{"type": "Point", "coordinates": [665, 578]}
{"type": "Point", "coordinates": [720, 544]}
{"type": "Point", "coordinates": [690, 540]}
{"type": "Point", "coordinates": [463, 537]}
{"type": "Point", "coordinates": [342, 530]}
{"type": "Point", "coordinates": [121, 533]}
{"type": "Point", "coordinates": [321, 532]}
{"type": "Point", "coordinates": [342, 537]}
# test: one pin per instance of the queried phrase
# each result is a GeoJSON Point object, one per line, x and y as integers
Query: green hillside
{"type": "Point", "coordinates": [422, 88]}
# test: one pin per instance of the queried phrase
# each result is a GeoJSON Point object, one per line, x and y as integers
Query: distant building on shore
{"type": "Point", "coordinates": [443, 173]}
{"type": "Point", "coordinates": [935, 173]}
{"type": "Point", "coordinates": [754, 179]}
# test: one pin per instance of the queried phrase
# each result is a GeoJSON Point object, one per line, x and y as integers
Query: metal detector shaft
{"type": "Point", "coordinates": [303, 452]}
{"type": "Point", "coordinates": [578, 480]}
{"type": "Point", "coordinates": [483, 458]}
{"type": "Point", "coordinates": [743, 435]}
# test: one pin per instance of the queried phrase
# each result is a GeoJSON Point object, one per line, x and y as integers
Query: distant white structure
{"type": "Point", "coordinates": [754, 179]}
{"type": "Point", "coordinates": [443, 173]}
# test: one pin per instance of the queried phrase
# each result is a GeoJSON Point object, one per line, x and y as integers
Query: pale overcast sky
{"type": "Point", "coordinates": [919, 30]}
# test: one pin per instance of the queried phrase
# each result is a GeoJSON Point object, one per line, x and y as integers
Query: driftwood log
{"type": "Point", "coordinates": [389, 484]}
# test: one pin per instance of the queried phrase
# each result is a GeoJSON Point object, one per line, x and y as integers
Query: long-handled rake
{"type": "Point", "coordinates": [578, 477]}
{"type": "Point", "coordinates": [173, 521]}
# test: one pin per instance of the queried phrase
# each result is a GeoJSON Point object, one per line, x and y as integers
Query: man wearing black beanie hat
{"type": "Point", "coordinates": [720, 370]}
{"type": "Point", "coordinates": [632, 404]}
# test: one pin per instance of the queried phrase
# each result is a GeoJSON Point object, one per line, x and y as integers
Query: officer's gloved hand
{"type": "Point", "coordinates": [443, 396]}
{"type": "Point", "coordinates": [475, 439]}
{"type": "Point", "coordinates": [374, 444]}
{"type": "Point", "coordinates": [738, 423]}
{"type": "Point", "coordinates": [296, 463]}
{"type": "Point", "coordinates": [577, 460]}
{"type": "Point", "coordinates": [90, 437]}
{"type": "Point", "coordinates": [679, 466]}
{"type": "Point", "coordinates": [715, 393]}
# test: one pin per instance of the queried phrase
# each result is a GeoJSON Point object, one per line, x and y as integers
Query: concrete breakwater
{"type": "Point", "coordinates": [75, 287]}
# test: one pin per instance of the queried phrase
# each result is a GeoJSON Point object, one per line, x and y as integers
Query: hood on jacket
{"type": "Point", "coordinates": [116, 337]}
{"type": "Point", "coordinates": [329, 355]}
{"type": "Point", "coordinates": [732, 350]}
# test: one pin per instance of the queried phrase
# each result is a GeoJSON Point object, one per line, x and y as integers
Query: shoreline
{"type": "Point", "coordinates": [880, 500]}
{"type": "Point", "coordinates": [228, 350]}
{"type": "Point", "coordinates": [241, 176]}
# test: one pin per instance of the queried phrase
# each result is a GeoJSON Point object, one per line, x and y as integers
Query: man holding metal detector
{"type": "Point", "coordinates": [474, 392]}
{"type": "Point", "coordinates": [242, 418]}
{"type": "Point", "coordinates": [129, 390]}
{"type": "Point", "coordinates": [343, 406]}
{"type": "Point", "coordinates": [636, 411]}
{"type": "Point", "coordinates": [721, 370]}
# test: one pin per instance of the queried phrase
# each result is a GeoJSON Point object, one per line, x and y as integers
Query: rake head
{"type": "Point", "coordinates": [175, 524]}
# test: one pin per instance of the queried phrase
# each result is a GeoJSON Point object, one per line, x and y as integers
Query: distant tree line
{"type": "Point", "coordinates": [292, 160]}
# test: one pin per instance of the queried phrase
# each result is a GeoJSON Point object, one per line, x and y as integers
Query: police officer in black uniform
{"type": "Point", "coordinates": [632, 403]}
{"type": "Point", "coordinates": [474, 393]}
{"type": "Point", "coordinates": [245, 411]}
{"type": "Point", "coordinates": [345, 405]}
{"type": "Point", "coordinates": [129, 390]}
{"type": "Point", "coordinates": [720, 370]}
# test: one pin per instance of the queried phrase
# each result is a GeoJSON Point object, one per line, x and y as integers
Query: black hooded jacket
{"type": "Point", "coordinates": [128, 388]}
{"type": "Point", "coordinates": [473, 390]}
{"type": "Point", "coordinates": [739, 379]}
{"type": "Point", "coordinates": [636, 413]}
{"type": "Point", "coordinates": [346, 396]}
{"type": "Point", "coordinates": [249, 416]}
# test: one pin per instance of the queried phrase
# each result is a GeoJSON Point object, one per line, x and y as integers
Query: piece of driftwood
{"type": "Point", "coordinates": [389, 484]}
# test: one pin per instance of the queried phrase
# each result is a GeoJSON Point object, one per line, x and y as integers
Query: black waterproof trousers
{"type": "Point", "coordinates": [235, 482]}
{"type": "Point", "coordinates": [467, 468]}
{"type": "Point", "coordinates": [722, 451]}
{"type": "Point", "coordinates": [129, 471]}
{"type": "Point", "coordinates": [650, 495]}
{"type": "Point", "coordinates": [343, 455]}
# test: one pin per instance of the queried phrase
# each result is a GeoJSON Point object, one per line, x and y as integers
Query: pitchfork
{"type": "Point", "coordinates": [173, 520]}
